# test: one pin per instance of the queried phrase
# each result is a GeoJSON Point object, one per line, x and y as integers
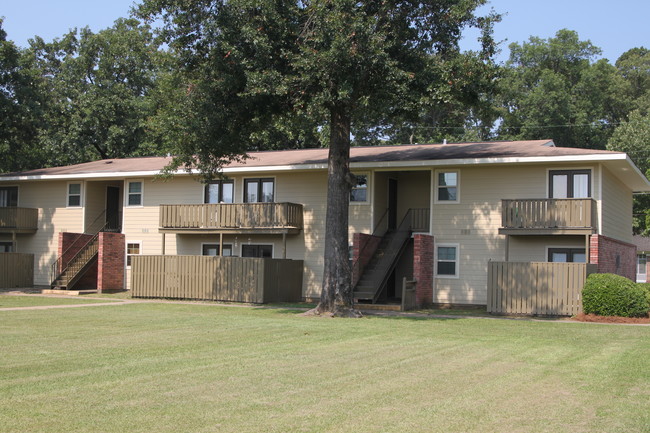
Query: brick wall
{"type": "Point", "coordinates": [363, 248]}
{"type": "Point", "coordinates": [110, 263]}
{"type": "Point", "coordinates": [613, 256]}
{"type": "Point", "coordinates": [69, 245]}
{"type": "Point", "coordinates": [423, 268]}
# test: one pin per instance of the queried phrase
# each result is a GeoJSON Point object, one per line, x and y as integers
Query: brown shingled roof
{"type": "Point", "coordinates": [418, 152]}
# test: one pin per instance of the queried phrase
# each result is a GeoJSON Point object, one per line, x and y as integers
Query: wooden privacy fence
{"type": "Point", "coordinates": [235, 279]}
{"type": "Point", "coordinates": [16, 270]}
{"type": "Point", "coordinates": [536, 288]}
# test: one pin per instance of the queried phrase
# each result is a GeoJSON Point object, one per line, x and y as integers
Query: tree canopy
{"type": "Point", "coordinates": [253, 70]}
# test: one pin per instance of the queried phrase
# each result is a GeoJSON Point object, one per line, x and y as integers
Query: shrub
{"type": "Point", "coordinates": [646, 287]}
{"type": "Point", "coordinates": [613, 295]}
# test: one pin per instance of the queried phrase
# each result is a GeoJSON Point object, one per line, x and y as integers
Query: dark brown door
{"type": "Point", "coordinates": [392, 204]}
{"type": "Point", "coordinates": [113, 219]}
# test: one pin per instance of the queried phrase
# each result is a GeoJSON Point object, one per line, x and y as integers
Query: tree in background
{"type": "Point", "coordinates": [20, 109]}
{"type": "Point", "coordinates": [253, 70]}
{"type": "Point", "coordinates": [552, 89]}
{"type": "Point", "coordinates": [96, 87]}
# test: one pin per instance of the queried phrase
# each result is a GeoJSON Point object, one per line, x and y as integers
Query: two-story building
{"type": "Point", "coordinates": [440, 211]}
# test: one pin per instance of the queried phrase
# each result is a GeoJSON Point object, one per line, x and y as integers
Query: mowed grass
{"type": "Point", "coordinates": [12, 301]}
{"type": "Point", "coordinates": [196, 368]}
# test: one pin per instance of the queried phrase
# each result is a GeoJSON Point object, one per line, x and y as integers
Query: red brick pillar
{"type": "Point", "coordinates": [613, 256]}
{"type": "Point", "coordinates": [110, 263]}
{"type": "Point", "coordinates": [423, 268]}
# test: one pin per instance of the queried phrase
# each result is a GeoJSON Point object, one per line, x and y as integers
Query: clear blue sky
{"type": "Point", "coordinates": [614, 26]}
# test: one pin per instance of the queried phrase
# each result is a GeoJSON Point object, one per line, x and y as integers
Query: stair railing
{"type": "Point", "coordinates": [395, 249]}
{"type": "Point", "coordinates": [98, 225]}
{"type": "Point", "coordinates": [356, 265]}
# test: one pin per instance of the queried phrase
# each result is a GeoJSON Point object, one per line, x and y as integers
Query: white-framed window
{"type": "Point", "coordinates": [133, 248]}
{"type": "Point", "coordinates": [447, 186]}
{"type": "Point", "coordinates": [134, 192]}
{"type": "Point", "coordinates": [447, 260]}
{"type": "Point", "coordinates": [359, 193]}
{"type": "Point", "coordinates": [214, 250]}
{"type": "Point", "coordinates": [74, 194]}
{"type": "Point", "coordinates": [641, 268]}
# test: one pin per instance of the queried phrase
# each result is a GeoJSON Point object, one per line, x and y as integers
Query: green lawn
{"type": "Point", "coordinates": [196, 368]}
{"type": "Point", "coordinates": [11, 301]}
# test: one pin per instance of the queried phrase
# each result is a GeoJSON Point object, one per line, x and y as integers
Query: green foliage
{"type": "Point", "coordinates": [551, 89]}
{"type": "Point", "coordinates": [257, 75]}
{"type": "Point", "coordinates": [97, 88]}
{"type": "Point", "coordinates": [633, 138]}
{"type": "Point", "coordinates": [20, 108]}
{"type": "Point", "coordinates": [613, 295]}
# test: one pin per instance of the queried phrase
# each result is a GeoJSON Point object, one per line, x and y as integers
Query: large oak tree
{"type": "Point", "coordinates": [261, 72]}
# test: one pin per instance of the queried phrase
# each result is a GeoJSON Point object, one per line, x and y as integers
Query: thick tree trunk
{"type": "Point", "coordinates": [336, 294]}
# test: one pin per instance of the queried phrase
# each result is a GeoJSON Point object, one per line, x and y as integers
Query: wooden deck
{"type": "Point", "coordinates": [548, 216]}
{"type": "Point", "coordinates": [18, 220]}
{"type": "Point", "coordinates": [266, 218]}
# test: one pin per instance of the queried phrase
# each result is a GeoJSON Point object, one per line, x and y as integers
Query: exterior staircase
{"type": "Point", "coordinates": [391, 247]}
{"type": "Point", "coordinates": [64, 275]}
{"type": "Point", "coordinates": [78, 265]}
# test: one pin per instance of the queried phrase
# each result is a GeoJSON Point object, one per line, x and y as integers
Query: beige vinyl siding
{"type": "Point", "coordinates": [473, 224]}
{"type": "Point", "coordinates": [49, 197]}
{"type": "Point", "coordinates": [140, 223]}
{"type": "Point", "coordinates": [616, 208]}
{"type": "Point", "coordinates": [534, 248]}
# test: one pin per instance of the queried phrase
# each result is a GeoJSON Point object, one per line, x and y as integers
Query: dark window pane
{"type": "Point", "coordinates": [74, 200]}
{"type": "Point", "coordinates": [447, 194]}
{"type": "Point", "coordinates": [446, 268]}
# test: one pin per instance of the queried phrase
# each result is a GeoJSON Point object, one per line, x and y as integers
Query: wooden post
{"type": "Point", "coordinates": [284, 245]}
{"type": "Point", "coordinates": [587, 250]}
{"type": "Point", "coordinates": [220, 244]}
{"type": "Point", "coordinates": [163, 244]}
{"type": "Point", "coordinates": [507, 248]}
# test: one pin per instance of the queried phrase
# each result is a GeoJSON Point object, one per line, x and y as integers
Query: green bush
{"type": "Point", "coordinates": [646, 287]}
{"type": "Point", "coordinates": [613, 295]}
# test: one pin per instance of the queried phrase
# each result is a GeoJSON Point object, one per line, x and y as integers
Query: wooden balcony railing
{"type": "Point", "coordinates": [18, 220]}
{"type": "Point", "coordinates": [231, 216]}
{"type": "Point", "coordinates": [549, 214]}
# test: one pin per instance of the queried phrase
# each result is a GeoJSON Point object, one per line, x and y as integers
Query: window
{"type": "Point", "coordinates": [213, 250]}
{"type": "Point", "coordinates": [447, 260]}
{"type": "Point", "coordinates": [570, 184]}
{"type": "Point", "coordinates": [567, 255]}
{"type": "Point", "coordinates": [258, 190]}
{"type": "Point", "coordinates": [262, 251]}
{"type": "Point", "coordinates": [132, 249]}
{"type": "Point", "coordinates": [134, 193]}
{"type": "Point", "coordinates": [219, 191]}
{"type": "Point", "coordinates": [6, 247]}
{"type": "Point", "coordinates": [9, 196]}
{"type": "Point", "coordinates": [447, 186]}
{"type": "Point", "coordinates": [359, 191]}
{"type": "Point", "coordinates": [641, 268]}
{"type": "Point", "coordinates": [74, 195]}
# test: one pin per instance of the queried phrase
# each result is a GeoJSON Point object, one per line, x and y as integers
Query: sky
{"type": "Point", "coordinates": [614, 26]}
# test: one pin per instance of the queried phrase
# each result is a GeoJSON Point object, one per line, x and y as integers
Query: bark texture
{"type": "Point", "coordinates": [336, 294]}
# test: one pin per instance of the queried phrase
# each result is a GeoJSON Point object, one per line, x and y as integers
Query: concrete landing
{"type": "Point", "coordinates": [68, 292]}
